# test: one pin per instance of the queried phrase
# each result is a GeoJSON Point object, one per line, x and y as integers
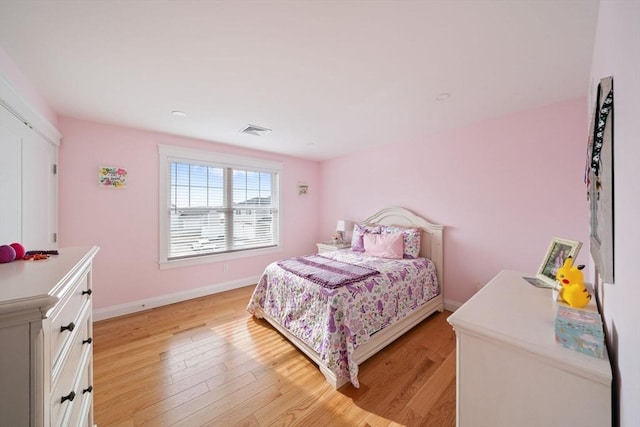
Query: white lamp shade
{"type": "Point", "coordinates": [342, 225]}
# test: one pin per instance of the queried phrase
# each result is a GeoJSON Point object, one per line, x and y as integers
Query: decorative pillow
{"type": "Point", "coordinates": [411, 238]}
{"type": "Point", "coordinates": [357, 245]}
{"type": "Point", "coordinates": [384, 245]}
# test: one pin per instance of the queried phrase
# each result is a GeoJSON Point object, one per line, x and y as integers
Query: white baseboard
{"type": "Point", "coordinates": [146, 304]}
{"type": "Point", "coordinates": [451, 305]}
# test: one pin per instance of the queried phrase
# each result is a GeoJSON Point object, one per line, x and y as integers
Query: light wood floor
{"type": "Point", "coordinates": [208, 362]}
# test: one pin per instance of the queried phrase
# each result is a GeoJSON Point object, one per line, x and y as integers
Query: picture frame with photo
{"type": "Point", "coordinates": [558, 251]}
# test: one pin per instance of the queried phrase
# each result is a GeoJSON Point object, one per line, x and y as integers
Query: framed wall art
{"type": "Point", "coordinates": [112, 177]}
{"type": "Point", "coordinates": [599, 179]}
{"type": "Point", "coordinates": [303, 189]}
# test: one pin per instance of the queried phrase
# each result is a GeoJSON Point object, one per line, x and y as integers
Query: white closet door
{"type": "Point", "coordinates": [38, 192]}
{"type": "Point", "coordinates": [28, 185]}
{"type": "Point", "coordinates": [10, 178]}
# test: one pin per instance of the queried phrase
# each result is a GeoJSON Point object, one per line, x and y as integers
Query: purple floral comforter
{"type": "Point", "coordinates": [334, 322]}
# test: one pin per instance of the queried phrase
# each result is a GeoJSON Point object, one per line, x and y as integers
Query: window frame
{"type": "Point", "coordinates": [169, 153]}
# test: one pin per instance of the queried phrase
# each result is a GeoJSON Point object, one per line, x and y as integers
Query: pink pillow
{"type": "Point", "coordinates": [411, 238]}
{"type": "Point", "coordinates": [384, 245]}
{"type": "Point", "coordinates": [357, 244]}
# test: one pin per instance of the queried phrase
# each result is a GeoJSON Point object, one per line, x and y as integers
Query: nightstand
{"type": "Point", "coordinates": [330, 246]}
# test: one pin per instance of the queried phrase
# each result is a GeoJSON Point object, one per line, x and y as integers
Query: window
{"type": "Point", "coordinates": [214, 204]}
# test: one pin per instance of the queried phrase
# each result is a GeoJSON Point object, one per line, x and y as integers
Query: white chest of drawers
{"type": "Point", "coordinates": [510, 370]}
{"type": "Point", "coordinates": [46, 356]}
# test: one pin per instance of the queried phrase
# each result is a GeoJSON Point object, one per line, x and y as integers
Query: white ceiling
{"type": "Point", "coordinates": [329, 77]}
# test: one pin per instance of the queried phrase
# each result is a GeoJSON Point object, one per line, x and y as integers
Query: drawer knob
{"type": "Point", "coordinates": [88, 389]}
{"type": "Point", "coordinates": [87, 292]}
{"type": "Point", "coordinates": [70, 327]}
{"type": "Point", "coordinates": [87, 341]}
{"type": "Point", "coordinates": [68, 397]}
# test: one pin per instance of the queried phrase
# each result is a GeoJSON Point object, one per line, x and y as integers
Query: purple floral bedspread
{"type": "Point", "coordinates": [334, 322]}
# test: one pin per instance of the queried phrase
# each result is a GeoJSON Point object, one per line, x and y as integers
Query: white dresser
{"type": "Point", "coordinates": [46, 358]}
{"type": "Point", "coordinates": [510, 370]}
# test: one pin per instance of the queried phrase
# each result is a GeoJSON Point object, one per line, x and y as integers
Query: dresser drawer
{"type": "Point", "coordinates": [65, 317]}
{"type": "Point", "coordinates": [81, 339]}
{"type": "Point", "coordinates": [67, 375]}
{"type": "Point", "coordinates": [81, 414]}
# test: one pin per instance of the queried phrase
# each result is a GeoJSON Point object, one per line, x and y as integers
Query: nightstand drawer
{"type": "Point", "coordinates": [330, 246]}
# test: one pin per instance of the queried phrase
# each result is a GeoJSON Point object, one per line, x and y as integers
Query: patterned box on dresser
{"type": "Point", "coordinates": [580, 330]}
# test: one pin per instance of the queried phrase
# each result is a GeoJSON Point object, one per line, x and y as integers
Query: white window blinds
{"type": "Point", "coordinates": [215, 208]}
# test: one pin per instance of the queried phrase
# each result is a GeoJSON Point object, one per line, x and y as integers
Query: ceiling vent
{"type": "Point", "coordinates": [255, 130]}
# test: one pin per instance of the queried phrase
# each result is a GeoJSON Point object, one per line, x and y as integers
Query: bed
{"type": "Point", "coordinates": [341, 327]}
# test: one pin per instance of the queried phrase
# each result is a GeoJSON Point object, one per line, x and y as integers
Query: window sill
{"type": "Point", "coordinates": [209, 259]}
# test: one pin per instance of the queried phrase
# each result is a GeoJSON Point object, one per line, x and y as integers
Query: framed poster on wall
{"type": "Point", "coordinates": [599, 179]}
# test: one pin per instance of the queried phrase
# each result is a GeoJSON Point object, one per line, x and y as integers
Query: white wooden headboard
{"type": "Point", "coordinates": [430, 239]}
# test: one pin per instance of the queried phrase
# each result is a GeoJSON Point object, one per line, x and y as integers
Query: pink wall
{"type": "Point", "coordinates": [124, 223]}
{"type": "Point", "coordinates": [503, 188]}
{"type": "Point", "coordinates": [10, 71]}
{"type": "Point", "coordinates": [617, 54]}
{"type": "Point", "coordinates": [495, 186]}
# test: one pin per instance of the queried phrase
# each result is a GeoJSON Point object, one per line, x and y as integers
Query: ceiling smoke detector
{"type": "Point", "coordinates": [255, 130]}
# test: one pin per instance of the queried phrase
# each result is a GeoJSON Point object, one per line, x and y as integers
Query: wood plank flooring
{"type": "Point", "coordinates": [207, 362]}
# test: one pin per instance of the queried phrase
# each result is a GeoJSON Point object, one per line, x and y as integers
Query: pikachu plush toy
{"type": "Point", "coordinates": [573, 290]}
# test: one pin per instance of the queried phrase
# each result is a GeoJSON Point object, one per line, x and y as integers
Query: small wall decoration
{"type": "Point", "coordinates": [599, 180]}
{"type": "Point", "coordinates": [303, 189]}
{"type": "Point", "coordinates": [112, 177]}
